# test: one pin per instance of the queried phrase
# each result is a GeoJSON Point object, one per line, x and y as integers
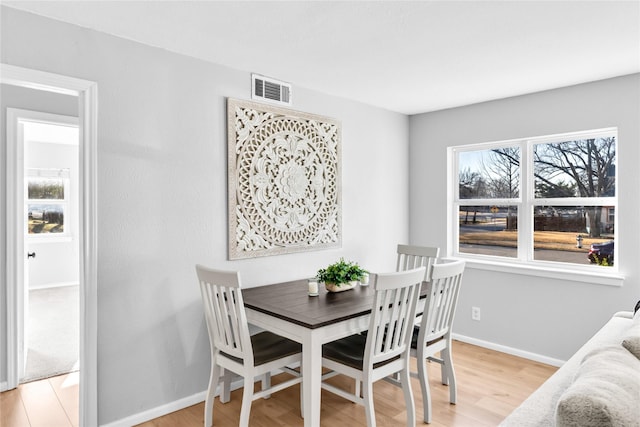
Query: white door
{"type": "Point", "coordinates": [40, 141]}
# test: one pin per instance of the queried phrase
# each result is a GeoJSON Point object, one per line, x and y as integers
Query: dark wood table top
{"type": "Point", "coordinates": [290, 301]}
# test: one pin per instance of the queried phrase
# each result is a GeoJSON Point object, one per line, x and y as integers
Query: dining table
{"type": "Point", "coordinates": [287, 309]}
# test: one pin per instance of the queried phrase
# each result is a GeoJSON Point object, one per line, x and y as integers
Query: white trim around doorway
{"type": "Point", "coordinates": [87, 93]}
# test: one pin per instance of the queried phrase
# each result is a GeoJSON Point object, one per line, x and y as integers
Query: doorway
{"type": "Point", "coordinates": [15, 254]}
{"type": "Point", "coordinates": [50, 326]}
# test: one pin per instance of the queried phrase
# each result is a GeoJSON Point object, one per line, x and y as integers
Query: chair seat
{"type": "Point", "coordinates": [268, 347]}
{"type": "Point", "coordinates": [350, 351]}
{"type": "Point", "coordinates": [414, 338]}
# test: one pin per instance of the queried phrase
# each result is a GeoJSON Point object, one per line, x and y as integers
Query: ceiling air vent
{"type": "Point", "coordinates": [267, 89]}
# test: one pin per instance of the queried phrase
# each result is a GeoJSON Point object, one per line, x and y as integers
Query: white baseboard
{"type": "Point", "coordinates": [170, 407]}
{"type": "Point", "coordinates": [509, 350]}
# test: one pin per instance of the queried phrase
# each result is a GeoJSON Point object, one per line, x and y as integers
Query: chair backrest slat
{"type": "Point", "coordinates": [391, 318]}
{"type": "Point", "coordinates": [411, 256]}
{"type": "Point", "coordinates": [442, 299]}
{"type": "Point", "coordinates": [224, 313]}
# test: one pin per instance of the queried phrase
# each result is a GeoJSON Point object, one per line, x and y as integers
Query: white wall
{"type": "Point", "coordinates": [162, 199]}
{"type": "Point", "coordinates": [57, 257]}
{"type": "Point", "coordinates": [26, 99]}
{"type": "Point", "coordinates": [547, 317]}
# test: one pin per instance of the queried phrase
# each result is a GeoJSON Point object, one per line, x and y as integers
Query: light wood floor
{"type": "Point", "coordinates": [52, 402]}
{"type": "Point", "coordinates": [490, 386]}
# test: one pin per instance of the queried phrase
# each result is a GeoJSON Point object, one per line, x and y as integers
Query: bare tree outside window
{"type": "Point", "coordinates": [503, 165]}
{"type": "Point", "coordinates": [581, 168]}
{"type": "Point", "coordinates": [490, 174]}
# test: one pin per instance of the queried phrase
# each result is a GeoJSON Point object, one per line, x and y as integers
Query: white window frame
{"type": "Point", "coordinates": [525, 263]}
{"type": "Point", "coordinates": [66, 234]}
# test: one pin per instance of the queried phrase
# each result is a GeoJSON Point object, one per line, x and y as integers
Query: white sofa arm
{"type": "Point", "coordinates": [624, 314]}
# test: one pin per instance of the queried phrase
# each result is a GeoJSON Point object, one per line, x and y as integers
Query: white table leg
{"type": "Point", "coordinates": [311, 379]}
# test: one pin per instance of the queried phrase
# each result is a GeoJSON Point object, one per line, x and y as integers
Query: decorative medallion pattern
{"type": "Point", "coordinates": [284, 180]}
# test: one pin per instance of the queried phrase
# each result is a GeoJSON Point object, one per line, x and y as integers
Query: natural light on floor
{"type": "Point", "coordinates": [72, 379]}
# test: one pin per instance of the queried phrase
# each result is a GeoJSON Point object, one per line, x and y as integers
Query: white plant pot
{"type": "Point", "coordinates": [341, 287]}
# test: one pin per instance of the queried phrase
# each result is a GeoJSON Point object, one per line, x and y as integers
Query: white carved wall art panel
{"type": "Point", "coordinates": [284, 180]}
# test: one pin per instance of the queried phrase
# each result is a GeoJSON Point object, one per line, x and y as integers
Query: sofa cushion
{"type": "Point", "coordinates": [605, 391]}
{"type": "Point", "coordinates": [631, 340]}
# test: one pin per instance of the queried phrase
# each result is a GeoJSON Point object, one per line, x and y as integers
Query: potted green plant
{"type": "Point", "coordinates": [341, 276]}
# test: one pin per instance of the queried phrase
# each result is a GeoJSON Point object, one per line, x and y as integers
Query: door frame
{"type": "Point", "coordinates": [87, 94]}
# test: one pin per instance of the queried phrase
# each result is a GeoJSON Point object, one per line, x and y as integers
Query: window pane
{"type": "Point", "coordinates": [44, 219]}
{"type": "Point", "coordinates": [579, 168]}
{"type": "Point", "coordinates": [488, 230]}
{"type": "Point", "coordinates": [45, 188]}
{"type": "Point", "coordinates": [488, 174]}
{"type": "Point", "coordinates": [566, 234]}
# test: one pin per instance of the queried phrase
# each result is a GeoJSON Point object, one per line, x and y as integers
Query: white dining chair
{"type": "Point", "coordinates": [434, 333]}
{"type": "Point", "coordinates": [234, 349]}
{"type": "Point", "coordinates": [412, 256]}
{"type": "Point", "coordinates": [384, 349]}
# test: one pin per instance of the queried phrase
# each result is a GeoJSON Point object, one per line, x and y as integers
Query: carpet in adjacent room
{"type": "Point", "coordinates": [53, 332]}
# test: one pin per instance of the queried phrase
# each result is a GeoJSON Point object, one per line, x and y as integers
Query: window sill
{"type": "Point", "coordinates": [50, 239]}
{"type": "Point", "coordinates": [575, 275]}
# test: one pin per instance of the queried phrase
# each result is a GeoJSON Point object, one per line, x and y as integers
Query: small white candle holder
{"type": "Point", "coordinates": [313, 287]}
{"type": "Point", "coordinates": [365, 280]}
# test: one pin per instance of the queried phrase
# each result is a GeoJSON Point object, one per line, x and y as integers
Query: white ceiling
{"type": "Point", "coordinates": [405, 56]}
